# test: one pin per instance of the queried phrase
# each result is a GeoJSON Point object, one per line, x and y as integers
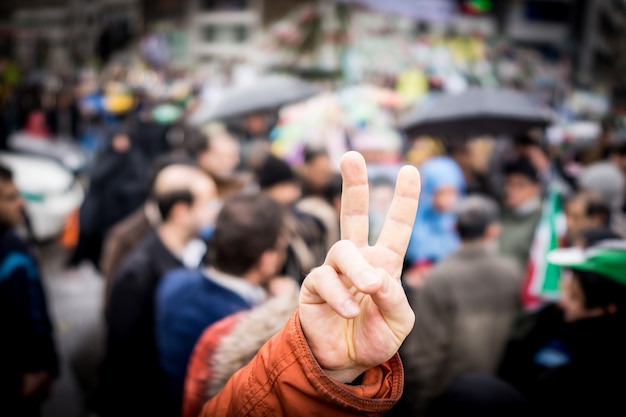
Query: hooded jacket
{"type": "Point", "coordinates": [434, 236]}
{"type": "Point", "coordinates": [284, 379]}
{"type": "Point", "coordinates": [229, 345]}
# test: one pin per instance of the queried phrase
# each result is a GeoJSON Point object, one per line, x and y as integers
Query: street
{"type": "Point", "coordinates": [75, 303]}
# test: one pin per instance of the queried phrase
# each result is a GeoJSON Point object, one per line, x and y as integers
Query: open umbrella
{"type": "Point", "coordinates": [477, 111]}
{"type": "Point", "coordinates": [266, 93]}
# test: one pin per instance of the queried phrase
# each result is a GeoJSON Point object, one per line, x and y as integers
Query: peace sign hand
{"type": "Point", "coordinates": [353, 310]}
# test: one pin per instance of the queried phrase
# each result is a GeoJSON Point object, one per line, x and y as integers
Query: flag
{"type": "Point", "coordinates": [541, 282]}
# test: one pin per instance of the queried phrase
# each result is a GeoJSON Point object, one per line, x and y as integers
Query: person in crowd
{"type": "Point", "coordinates": [217, 153]}
{"type": "Point", "coordinates": [229, 344]}
{"type": "Point", "coordinates": [132, 378]}
{"type": "Point", "coordinates": [606, 179]}
{"type": "Point", "coordinates": [246, 251]}
{"type": "Point", "coordinates": [434, 236]}
{"type": "Point", "coordinates": [567, 358]}
{"type": "Point", "coordinates": [337, 355]}
{"type": "Point", "coordinates": [129, 232]}
{"type": "Point", "coordinates": [585, 210]}
{"type": "Point", "coordinates": [464, 310]}
{"type": "Point", "coordinates": [325, 208]}
{"type": "Point", "coordinates": [316, 172]}
{"type": "Point", "coordinates": [589, 237]}
{"type": "Point", "coordinates": [522, 211]}
{"type": "Point", "coordinates": [306, 240]}
{"type": "Point", "coordinates": [28, 357]}
{"type": "Point", "coordinates": [117, 187]}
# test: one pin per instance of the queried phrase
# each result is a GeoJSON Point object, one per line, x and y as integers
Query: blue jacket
{"type": "Point", "coordinates": [186, 304]}
{"type": "Point", "coordinates": [434, 236]}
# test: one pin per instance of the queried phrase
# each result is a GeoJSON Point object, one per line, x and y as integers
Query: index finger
{"type": "Point", "coordinates": [354, 199]}
{"type": "Point", "coordinates": [398, 226]}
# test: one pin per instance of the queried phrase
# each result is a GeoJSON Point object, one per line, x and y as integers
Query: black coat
{"type": "Point", "coordinates": [569, 368]}
{"type": "Point", "coordinates": [27, 336]}
{"type": "Point", "coordinates": [132, 382]}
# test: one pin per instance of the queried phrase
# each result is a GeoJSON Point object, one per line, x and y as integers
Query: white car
{"type": "Point", "coordinates": [51, 193]}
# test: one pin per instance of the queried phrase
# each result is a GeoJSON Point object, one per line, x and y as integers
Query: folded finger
{"type": "Point", "coordinates": [323, 285]}
{"type": "Point", "coordinates": [394, 306]}
{"type": "Point", "coordinates": [345, 258]}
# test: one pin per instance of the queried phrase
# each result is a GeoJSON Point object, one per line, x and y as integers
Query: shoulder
{"type": "Point", "coordinates": [178, 280]}
{"type": "Point", "coordinates": [14, 255]}
{"type": "Point", "coordinates": [504, 265]}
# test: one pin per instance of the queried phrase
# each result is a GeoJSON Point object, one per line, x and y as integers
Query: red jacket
{"type": "Point", "coordinates": [285, 379]}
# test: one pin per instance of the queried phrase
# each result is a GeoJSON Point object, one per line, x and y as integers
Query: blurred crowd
{"type": "Point", "coordinates": [203, 236]}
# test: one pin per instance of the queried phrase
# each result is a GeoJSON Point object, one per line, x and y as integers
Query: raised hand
{"type": "Point", "coordinates": [353, 310]}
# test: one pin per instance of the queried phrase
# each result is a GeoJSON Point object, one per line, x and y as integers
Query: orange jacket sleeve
{"type": "Point", "coordinates": [285, 379]}
{"type": "Point", "coordinates": [199, 370]}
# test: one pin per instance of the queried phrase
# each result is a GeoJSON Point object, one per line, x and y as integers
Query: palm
{"type": "Point", "coordinates": [373, 335]}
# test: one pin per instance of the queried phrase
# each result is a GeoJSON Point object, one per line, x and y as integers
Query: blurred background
{"type": "Point", "coordinates": [283, 76]}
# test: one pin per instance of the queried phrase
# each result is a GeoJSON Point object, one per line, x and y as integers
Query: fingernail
{"type": "Point", "coordinates": [369, 278]}
{"type": "Point", "coordinates": [350, 308]}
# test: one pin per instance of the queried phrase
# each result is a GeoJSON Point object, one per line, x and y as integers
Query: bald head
{"type": "Point", "coordinates": [182, 184]}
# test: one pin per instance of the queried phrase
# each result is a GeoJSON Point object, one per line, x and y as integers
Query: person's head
{"type": "Point", "coordinates": [216, 151]}
{"type": "Point", "coordinates": [442, 183]}
{"type": "Point", "coordinates": [477, 219]}
{"type": "Point", "coordinates": [585, 210]}
{"type": "Point", "coordinates": [120, 141]}
{"type": "Point", "coordinates": [605, 179]}
{"type": "Point", "coordinates": [596, 285]}
{"type": "Point", "coordinates": [277, 179]}
{"type": "Point", "coordinates": [257, 124]}
{"type": "Point", "coordinates": [332, 192]}
{"type": "Point", "coordinates": [521, 183]}
{"type": "Point", "coordinates": [248, 239]}
{"type": "Point", "coordinates": [317, 170]}
{"type": "Point", "coordinates": [186, 198]}
{"type": "Point", "coordinates": [11, 203]}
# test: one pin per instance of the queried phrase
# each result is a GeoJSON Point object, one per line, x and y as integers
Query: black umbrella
{"type": "Point", "coordinates": [477, 111]}
{"type": "Point", "coordinates": [265, 94]}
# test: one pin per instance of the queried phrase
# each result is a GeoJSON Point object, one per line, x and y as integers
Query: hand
{"type": "Point", "coordinates": [353, 310]}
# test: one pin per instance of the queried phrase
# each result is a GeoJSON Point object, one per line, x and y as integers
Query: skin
{"type": "Point", "coordinates": [222, 158]}
{"type": "Point", "coordinates": [519, 189]}
{"type": "Point", "coordinates": [353, 309]}
{"type": "Point", "coordinates": [12, 215]}
{"type": "Point", "coordinates": [11, 204]}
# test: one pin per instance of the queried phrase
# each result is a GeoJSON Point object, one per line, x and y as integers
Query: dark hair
{"type": "Point", "coordinates": [522, 166]}
{"type": "Point", "coordinates": [274, 171]}
{"type": "Point", "coordinates": [619, 149]}
{"type": "Point", "coordinates": [195, 142]}
{"type": "Point", "coordinates": [596, 235]}
{"type": "Point", "coordinates": [474, 215]}
{"type": "Point", "coordinates": [311, 153]}
{"type": "Point", "coordinates": [167, 201]}
{"type": "Point", "coordinates": [594, 205]}
{"type": "Point", "coordinates": [599, 208]}
{"type": "Point", "coordinates": [601, 291]}
{"type": "Point", "coordinates": [5, 173]}
{"type": "Point", "coordinates": [333, 188]}
{"type": "Point", "coordinates": [247, 226]}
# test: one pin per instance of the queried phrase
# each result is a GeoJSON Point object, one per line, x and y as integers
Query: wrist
{"type": "Point", "coordinates": [345, 376]}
